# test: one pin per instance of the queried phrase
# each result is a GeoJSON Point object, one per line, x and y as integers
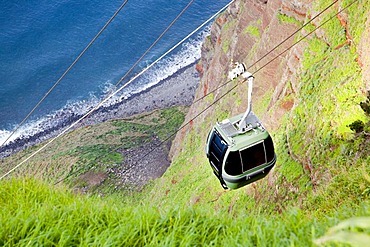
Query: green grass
{"type": "Point", "coordinates": [287, 19]}
{"type": "Point", "coordinates": [354, 231]}
{"type": "Point", "coordinates": [35, 214]}
{"type": "Point", "coordinates": [227, 28]}
{"type": "Point", "coordinates": [253, 31]}
{"type": "Point", "coordinates": [316, 130]}
{"type": "Point", "coordinates": [316, 193]}
{"type": "Point", "coordinates": [226, 45]}
{"type": "Point", "coordinates": [95, 148]}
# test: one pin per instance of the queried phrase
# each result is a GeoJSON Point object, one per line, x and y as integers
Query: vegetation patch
{"type": "Point", "coordinates": [97, 149]}
{"type": "Point", "coordinates": [283, 19]}
{"type": "Point", "coordinates": [252, 31]}
{"type": "Point", "coordinates": [35, 213]}
{"type": "Point", "coordinates": [320, 182]}
{"type": "Point", "coordinates": [360, 126]}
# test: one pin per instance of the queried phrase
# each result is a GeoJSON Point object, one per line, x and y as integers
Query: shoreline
{"type": "Point", "coordinates": [176, 90]}
{"type": "Point", "coordinates": [181, 85]}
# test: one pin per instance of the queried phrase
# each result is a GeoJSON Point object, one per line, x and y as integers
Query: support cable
{"type": "Point", "coordinates": [112, 94]}
{"type": "Point", "coordinates": [295, 43]}
{"type": "Point", "coordinates": [235, 86]}
{"type": "Point", "coordinates": [294, 33]}
{"type": "Point", "coordinates": [65, 72]}
{"type": "Point", "coordinates": [155, 42]}
{"type": "Point", "coordinates": [273, 49]}
{"type": "Point", "coordinates": [208, 107]}
{"type": "Point", "coordinates": [144, 54]}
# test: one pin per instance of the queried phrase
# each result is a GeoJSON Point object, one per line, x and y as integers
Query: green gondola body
{"type": "Point", "coordinates": [239, 158]}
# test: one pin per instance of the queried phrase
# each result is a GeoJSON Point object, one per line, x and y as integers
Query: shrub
{"type": "Point", "coordinates": [357, 126]}
{"type": "Point", "coordinates": [365, 106]}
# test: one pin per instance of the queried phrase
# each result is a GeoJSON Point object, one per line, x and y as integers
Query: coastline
{"type": "Point", "coordinates": [176, 90]}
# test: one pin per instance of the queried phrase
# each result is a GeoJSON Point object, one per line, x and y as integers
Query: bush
{"type": "Point", "coordinates": [365, 106]}
{"type": "Point", "coordinates": [357, 126]}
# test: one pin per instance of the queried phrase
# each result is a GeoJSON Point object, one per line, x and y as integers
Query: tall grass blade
{"type": "Point", "coordinates": [352, 238]}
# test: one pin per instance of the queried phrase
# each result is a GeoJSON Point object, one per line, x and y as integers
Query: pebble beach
{"type": "Point", "coordinates": [176, 90]}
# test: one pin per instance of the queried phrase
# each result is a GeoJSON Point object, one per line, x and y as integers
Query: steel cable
{"type": "Point", "coordinates": [222, 96]}
{"type": "Point", "coordinates": [65, 72]}
{"type": "Point", "coordinates": [112, 94]}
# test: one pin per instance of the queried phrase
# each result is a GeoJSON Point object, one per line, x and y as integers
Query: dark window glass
{"type": "Point", "coordinates": [269, 146]}
{"type": "Point", "coordinates": [217, 150]}
{"type": "Point", "coordinates": [253, 156]}
{"type": "Point", "coordinates": [233, 165]}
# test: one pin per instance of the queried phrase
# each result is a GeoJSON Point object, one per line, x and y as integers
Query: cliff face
{"type": "Point", "coordinates": [306, 94]}
{"type": "Point", "coordinates": [251, 32]}
{"type": "Point", "coordinates": [306, 97]}
{"type": "Point", "coordinates": [245, 33]}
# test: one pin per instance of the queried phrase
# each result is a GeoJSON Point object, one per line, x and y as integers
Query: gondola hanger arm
{"type": "Point", "coordinates": [240, 69]}
{"type": "Point", "coordinates": [243, 122]}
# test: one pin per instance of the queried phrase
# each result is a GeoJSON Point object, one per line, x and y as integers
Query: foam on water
{"type": "Point", "coordinates": [189, 53]}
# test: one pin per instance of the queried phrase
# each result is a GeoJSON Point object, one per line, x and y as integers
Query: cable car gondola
{"type": "Point", "coordinates": [240, 150]}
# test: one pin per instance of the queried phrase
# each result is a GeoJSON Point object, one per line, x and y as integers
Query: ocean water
{"type": "Point", "coordinates": [40, 39]}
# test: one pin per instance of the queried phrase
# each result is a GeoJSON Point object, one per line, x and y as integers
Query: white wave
{"type": "Point", "coordinates": [26, 130]}
{"type": "Point", "coordinates": [189, 53]}
{"type": "Point", "coordinates": [49, 121]}
{"type": "Point", "coordinates": [3, 135]}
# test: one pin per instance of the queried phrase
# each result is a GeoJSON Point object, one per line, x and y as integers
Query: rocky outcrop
{"type": "Point", "coordinates": [248, 32]}
{"type": "Point", "coordinates": [364, 52]}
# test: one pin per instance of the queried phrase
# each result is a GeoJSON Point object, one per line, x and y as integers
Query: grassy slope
{"type": "Point", "coordinates": [94, 151]}
{"type": "Point", "coordinates": [315, 131]}
{"type": "Point", "coordinates": [33, 213]}
{"type": "Point", "coordinates": [320, 178]}
{"type": "Point", "coordinates": [322, 167]}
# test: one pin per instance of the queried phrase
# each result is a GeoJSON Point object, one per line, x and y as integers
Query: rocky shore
{"type": "Point", "coordinates": [176, 90]}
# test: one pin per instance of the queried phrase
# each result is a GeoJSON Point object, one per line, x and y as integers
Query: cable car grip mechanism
{"type": "Point", "coordinates": [238, 70]}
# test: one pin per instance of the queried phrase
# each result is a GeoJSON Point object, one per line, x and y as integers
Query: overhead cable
{"type": "Point", "coordinates": [273, 49]}
{"type": "Point", "coordinates": [170, 50]}
{"type": "Point", "coordinates": [208, 107]}
{"type": "Point", "coordinates": [145, 53]}
{"type": "Point", "coordinates": [101, 103]}
{"type": "Point", "coordinates": [65, 72]}
{"type": "Point", "coordinates": [294, 33]}
{"type": "Point", "coordinates": [235, 86]}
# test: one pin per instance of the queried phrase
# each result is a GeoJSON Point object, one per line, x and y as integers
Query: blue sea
{"type": "Point", "coordinates": [40, 39]}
